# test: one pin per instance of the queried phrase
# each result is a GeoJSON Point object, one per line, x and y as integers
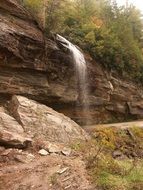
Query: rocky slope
{"type": "Point", "coordinates": [35, 148]}
{"type": "Point", "coordinates": [34, 66]}
{"type": "Point", "coordinates": [49, 173]}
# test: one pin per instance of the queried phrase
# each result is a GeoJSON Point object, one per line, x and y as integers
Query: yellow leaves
{"type": "Point", "coordinates": [107, 138]}
{"type": "Point", "coordinates": [98, 22]}
{"type": "Point", "coordinates": [90, 37]}
{"type": "Point", "coordinates": [37, 8]}
{"type": "Point", "coordinates": [36, 4]}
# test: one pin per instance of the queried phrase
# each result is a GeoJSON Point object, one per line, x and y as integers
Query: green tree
{"type": "Point", "coordinates": [111, 34]}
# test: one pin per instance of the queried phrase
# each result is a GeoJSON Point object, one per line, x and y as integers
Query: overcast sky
{"type": "Point", "coordinates": [137, 3]}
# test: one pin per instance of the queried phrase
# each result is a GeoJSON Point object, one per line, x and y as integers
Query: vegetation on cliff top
{"type": "Point", "coordinates": [112, 35]}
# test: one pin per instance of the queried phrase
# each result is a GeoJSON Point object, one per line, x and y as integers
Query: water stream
{"type": "Point", "coordinates": [81, 73]}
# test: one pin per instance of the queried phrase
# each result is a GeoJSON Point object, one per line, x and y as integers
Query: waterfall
{"type": "Point", "coordinates": [81, 73]}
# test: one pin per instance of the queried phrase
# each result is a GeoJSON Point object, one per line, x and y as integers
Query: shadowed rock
{"type": "Point", "coordinates": [12, 133]}
{"type": "Point", "coordinates": [14, 140]}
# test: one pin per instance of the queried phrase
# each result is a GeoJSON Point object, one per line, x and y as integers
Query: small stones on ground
{"type": "Point", "coordinates": [63, 170]}
{"type": "Point", "coordinates": [30, 156]}
{"type": "Point", "coordinates": [66, 151]}
{"type": "Point", "coordinates": [117, 153]}
{"type": "Point", "coordinates": [6, 152]}
{"type": "Point", "coordinates": [43, 152]}
{"type": "Point", "coordinates": [52, 148]}
{"type": "Point", "coordinates": [55, 148]}
{"type": "Point", "coordinates": [17, 155]}
{"type": "Point", "coordinates": [67, 187]}
{"type": "Point", "coordinates": [25, 157]}
{"type": "Point", "coordinates": [66, 179]}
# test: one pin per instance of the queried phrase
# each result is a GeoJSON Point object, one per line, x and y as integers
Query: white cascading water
{"type": "Point", "coordinates": [81, 72]}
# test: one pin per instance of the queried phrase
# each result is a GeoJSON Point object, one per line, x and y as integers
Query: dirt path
{"type": "Point", "coordinates": [118, 125]}
{"type": "Point", "coordinates": [52, 172]}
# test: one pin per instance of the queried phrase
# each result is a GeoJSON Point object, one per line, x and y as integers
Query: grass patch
{"type": "Point", "coordinates": [53, 179]}
{"type": "Point", "coordinates": [122, 175]}
{"type": "Point", "coordinates": [122, 172]}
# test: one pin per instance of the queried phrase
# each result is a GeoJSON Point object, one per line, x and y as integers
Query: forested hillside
{"type": "Point", "coordinates": [112, 35]}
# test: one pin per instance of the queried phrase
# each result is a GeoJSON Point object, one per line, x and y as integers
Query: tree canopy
{"type": "Point", "coordinates": [111, 34]}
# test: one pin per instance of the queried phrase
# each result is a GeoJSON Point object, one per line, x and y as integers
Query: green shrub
{"type": "Point", "coordinates": [123, 173]}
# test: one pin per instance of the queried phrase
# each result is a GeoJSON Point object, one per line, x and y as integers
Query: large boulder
{"type": "Point", "coordinates": [14, 140]}
{"type": "Point", "coordinates": [9, 123]}
{"type": "Point", "coordinates": [42, 121]}
{"type": "Point", "coordinates": [11, 132]}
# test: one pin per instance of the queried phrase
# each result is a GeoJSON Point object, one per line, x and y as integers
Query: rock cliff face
{"type": "Point", "coordinates": [36, 67]}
